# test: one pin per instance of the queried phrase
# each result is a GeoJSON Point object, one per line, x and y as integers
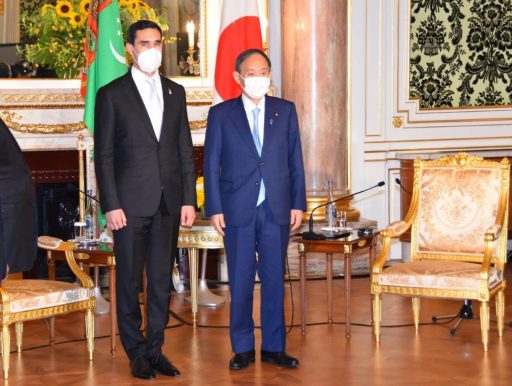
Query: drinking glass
{"type": "Point", "coordinates": [341, 217]}
{"type": "Point", "coordinates": [79, 229]}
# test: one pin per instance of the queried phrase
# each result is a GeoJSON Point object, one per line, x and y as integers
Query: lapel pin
{"type": "Point", "coordinates": [272, 119]}
{"type": "Point", "coordinates": [170, 91]}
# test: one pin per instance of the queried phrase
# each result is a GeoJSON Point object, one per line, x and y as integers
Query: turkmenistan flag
{"type": "Point", "coordinates": [104, 57]}
{"type": "Point", "coordinates": [104, 52]}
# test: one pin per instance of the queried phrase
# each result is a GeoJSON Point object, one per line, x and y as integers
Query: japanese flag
{"type": "Point", "coordinates": [239, 31]}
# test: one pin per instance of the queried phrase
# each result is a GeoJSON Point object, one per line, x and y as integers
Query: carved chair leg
{"type": "Point", "coordinates": [484, 323]}
{"type": "Point", "coordinates": [51, 321]}
{"type": "Point", "coordinates": [6, 347]}
{"type": "Point", "coordinates": [376, 307]}
{"type": "Point", "coordinates": [500, 311]}
{"type": "Point", "coordinates": [416, 312]}
{"type": "Point", "coordinates": [89, 330]}
{"type": "Point", "coordinates": [18, 327]}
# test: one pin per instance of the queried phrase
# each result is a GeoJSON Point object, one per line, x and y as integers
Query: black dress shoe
{"type": "Point", "coordinates": [164, 366]}
{"type": "Point", "coordinates": [141, 369]}
{"type": "Point", "coordinates": [242, 360]}
{"type": "Point", "coordinates": [281, 358]}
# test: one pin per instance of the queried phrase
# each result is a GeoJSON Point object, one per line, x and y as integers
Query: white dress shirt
{"type": "Point", "coordinates": [154, 107]}
{"type": "Point", "coordinates": [249, 106]}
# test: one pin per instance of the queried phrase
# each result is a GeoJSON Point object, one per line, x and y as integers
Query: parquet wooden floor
{"type": "Point", "coordinates": [433, 357]}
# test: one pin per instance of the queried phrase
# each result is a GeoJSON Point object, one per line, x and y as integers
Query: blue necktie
{"type": "Point", "coordinates": [257, 142]}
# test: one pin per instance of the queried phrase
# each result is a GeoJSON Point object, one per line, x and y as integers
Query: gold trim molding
{"type": "Point", "coordinates": [42, 98]}
{"type": "Point", "coordinates": [75, 100]}
{"type": "Point", "coordinates": [207, 239]}
{"type": "Point", "coordinates": [197, 104]}
{"type": "Point", "coordinates": [199, 95]}
{"type": "Point", "coordinates": [11, 118]}
{"type": "Point", "coordinates": [44, 107]}
{"type": "Point", "coordinates": [2, 7]}
{"type": "Point", "coordinates": [197, 125]}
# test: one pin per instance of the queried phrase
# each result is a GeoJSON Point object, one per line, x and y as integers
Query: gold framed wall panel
{"type": "Point", "coordinates": [407, 109]}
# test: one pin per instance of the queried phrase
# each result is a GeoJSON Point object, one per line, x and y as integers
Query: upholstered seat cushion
{"type": "Point", "coordinates": [28, 295]}
{"type": "Point", "coordinates": [451, 275]}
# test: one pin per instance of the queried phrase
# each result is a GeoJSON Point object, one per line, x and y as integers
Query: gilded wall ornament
{"type": "Point", "coordinates": [12, 119]}
{"type": "Point", "coordinates": [197, 125]}
{"type": "Point", "coordinates": [397, 122]}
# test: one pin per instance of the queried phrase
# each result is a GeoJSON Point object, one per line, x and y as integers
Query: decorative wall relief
{"type": "Point", "coordinates": [461, 53]}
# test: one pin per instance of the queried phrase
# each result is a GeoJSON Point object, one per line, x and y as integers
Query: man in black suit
{"type": "Point", "coordinates": [18, 220]}
{"type": "Point", "coordinates": [146, 179]}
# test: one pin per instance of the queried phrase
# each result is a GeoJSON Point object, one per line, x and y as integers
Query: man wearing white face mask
{"type": "Point", "coordinates": [255, 194]}
{"type": "Point", "coordinates": [146, 179]}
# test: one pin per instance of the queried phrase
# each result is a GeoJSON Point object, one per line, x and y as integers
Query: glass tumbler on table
{"type": "Point", "coordinates": [341, 218]}
{"type": "Point", "coordinates": [79, 229]}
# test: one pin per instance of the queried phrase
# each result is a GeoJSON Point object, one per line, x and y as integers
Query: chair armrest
{"type": "Point", "coordinates": [491, 235]}
{"type": "Point", "coordinates": [395, 229]}
{"type": "Point", "coordinates": [55, 244]}
{"type": "Point", "coordinates": [493, 232]}
{"type": "Point", "coordinates": [48, 242]}
{"type": "Point", "coordinates": [82, 276]}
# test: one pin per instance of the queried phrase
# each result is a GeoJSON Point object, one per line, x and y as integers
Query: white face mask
{"type": "Point", "coordinates": [149, 60]}
{"type": "Point", "coordinates": [256, 86]}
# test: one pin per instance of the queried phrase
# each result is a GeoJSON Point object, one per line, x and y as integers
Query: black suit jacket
{"type": "Point", "coordinates": [18, 222]}
{"type": "Point", "coordinates": [133, 168]}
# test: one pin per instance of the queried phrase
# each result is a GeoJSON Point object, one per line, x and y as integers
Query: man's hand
{"type": "Point", "coordinates": [217, 221]}
{"type": "Point", "coordinates": [295, 219]}
{"type": "Point", "coordinates": [188, 215]}
{"type": "Point", "coordinates": [116, 219]}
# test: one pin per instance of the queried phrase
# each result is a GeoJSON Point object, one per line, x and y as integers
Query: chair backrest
{"type": "Point", "coordinates": [458, 198]}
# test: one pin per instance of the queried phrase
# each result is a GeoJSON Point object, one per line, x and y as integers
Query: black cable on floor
{"type": "Point", "coordinates": [83, 340]}
{"type": "Point", "coordinates": [58, 343]}
{"type": "Point", "coordinates": [397, 325]}
{"type": "Point", "coordinates": [290, 326]}
{"type": "Point", "coordinates": [183, 322]}
{"type": "Point", "coordinates": [187, 323]}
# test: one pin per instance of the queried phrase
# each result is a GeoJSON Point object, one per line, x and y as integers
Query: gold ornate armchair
{"type": "Point", "coordinates": [23, 300]}
{"type": "Point", "coordinates": [458, 219]}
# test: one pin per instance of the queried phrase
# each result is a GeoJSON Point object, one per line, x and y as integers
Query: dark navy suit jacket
{"type": "Point", "coordinates": [233, 169]}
